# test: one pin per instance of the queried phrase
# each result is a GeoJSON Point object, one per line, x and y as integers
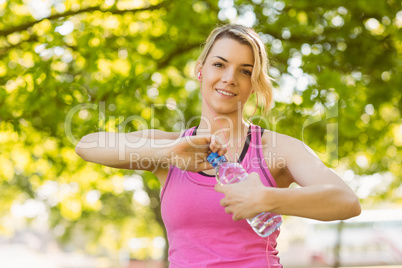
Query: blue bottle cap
{"type": "Point", "coordinates": [214, 159]}
{"type": "Point", "coordinates": [211, 157]}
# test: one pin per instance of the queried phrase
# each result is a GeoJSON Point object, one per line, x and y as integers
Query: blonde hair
{"type": "Point", "coordinates": [260, 80]}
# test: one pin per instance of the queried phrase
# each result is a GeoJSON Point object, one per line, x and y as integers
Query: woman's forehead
{"type": "Point", "coordinates": [231, 48]}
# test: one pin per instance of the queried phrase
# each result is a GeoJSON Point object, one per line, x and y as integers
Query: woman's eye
{"type": "Point", "coordinates": [217, 64]}
{"type": "Point", "coordinates": [246, 72]}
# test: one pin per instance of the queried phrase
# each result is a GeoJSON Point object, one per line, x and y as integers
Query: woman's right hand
{"type": "Point", "coordinates": [190, 153]}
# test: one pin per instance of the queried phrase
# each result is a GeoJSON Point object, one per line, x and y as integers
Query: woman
{"type": "Point", "coordinates": [205, 221]}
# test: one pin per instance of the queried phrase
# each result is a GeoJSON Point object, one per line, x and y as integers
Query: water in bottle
{"type": "Point", "coordinates": [265, 223]}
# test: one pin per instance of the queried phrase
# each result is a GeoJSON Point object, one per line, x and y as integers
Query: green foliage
{"type": "Point", "coordinates": [92, 66]}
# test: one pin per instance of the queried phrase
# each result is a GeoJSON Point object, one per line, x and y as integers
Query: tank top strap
{"type": "Point", "coordinates": [189, 132]}
{"type": "Point", "coordinates": [254, 142]}
{"type": "Point", "coordinates": [256, 160]}
{"type": "Point", "coordinates": [257, 133]}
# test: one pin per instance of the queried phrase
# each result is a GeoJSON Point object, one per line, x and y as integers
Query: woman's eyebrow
{"type": "Point", "coordinates": [225, 60]}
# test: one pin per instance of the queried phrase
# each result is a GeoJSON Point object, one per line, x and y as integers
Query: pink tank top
{"type": "Point", "coordinates": [200, 233]}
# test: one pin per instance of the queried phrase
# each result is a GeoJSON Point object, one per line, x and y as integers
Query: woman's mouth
{"type": "Point", "coordinates": [225, 93]}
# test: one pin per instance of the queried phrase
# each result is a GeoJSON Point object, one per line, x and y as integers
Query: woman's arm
{"type": "Point", "coordinates": [118, 149]}
{"type": "Point", "coordinates": [148, 150]}
{"type": "Point", "coordinates": [322, 195]}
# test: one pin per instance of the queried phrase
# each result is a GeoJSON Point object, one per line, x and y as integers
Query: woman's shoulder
{"type": "Point", "coordinates": [277, 140]}
{"type": "Point", "coordinates": [276, 148]}
{"type": "Point", "coordinates": [285, 146]}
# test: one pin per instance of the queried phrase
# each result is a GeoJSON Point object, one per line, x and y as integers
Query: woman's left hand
{"type": "Point", "coordinates": [242, 199]}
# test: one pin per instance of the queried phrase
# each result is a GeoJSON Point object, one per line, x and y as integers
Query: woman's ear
{"type": "Point", "coordinates": [198, 69]}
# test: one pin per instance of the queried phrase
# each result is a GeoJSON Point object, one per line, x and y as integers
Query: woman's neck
{"type": "Point", "coordinates": [215, 122]}
{"type": "Point", "coordinates": [231, 130]}
{"type": "Point", "coordinates": [220, 126]}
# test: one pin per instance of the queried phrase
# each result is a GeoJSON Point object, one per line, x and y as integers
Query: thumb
{"type": "Point", "coordinates": [217, 145]}
{"type": "Point", "coordinates": [200, 141]}
{"type": "Point", "coordinates": [253, 176]}
{"type": "Point", "coordinates": [219, 188]}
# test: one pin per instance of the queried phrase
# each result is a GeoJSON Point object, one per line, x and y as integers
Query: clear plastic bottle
{"type": "Point", "coordinates": [265, 223]}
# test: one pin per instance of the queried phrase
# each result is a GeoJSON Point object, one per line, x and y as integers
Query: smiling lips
{"type": "Point", "coordinates": [225, 93]}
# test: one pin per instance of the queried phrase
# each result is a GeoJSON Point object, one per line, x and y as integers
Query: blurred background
{"type": "Point", "coordinates": [69, 68]}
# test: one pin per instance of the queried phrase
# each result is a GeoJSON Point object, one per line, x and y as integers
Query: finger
{"type": "Point", "coordinates": [223, 202]}
{"type": "Point", "coordinates": [218, 149]}
{"type": "Point", "coordinates": [216, 143]}
{"type": "Point", "coordinates": [212, 146]}
{"type": "Point", "coordinates": [228, 210]}
{"type": "Point", "coordinates": [222, 151]}
{"type": "Point", "coordinates": [235, 218]}
{"type": "Point", "coordinates": [219, 188]}
{"type": "Point", "coordinates": [200, 141]}
{"type": "Point", "coordinates": [205, 165]}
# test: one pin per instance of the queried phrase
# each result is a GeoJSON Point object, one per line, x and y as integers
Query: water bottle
{"type": "Point", "coordinates": [265, 223]}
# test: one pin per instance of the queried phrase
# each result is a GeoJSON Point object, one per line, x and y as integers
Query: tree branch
{"type": "Point", "coordinates": [4, 50]}
{"type": "Point", "coordinates": [69, 13]}
{"type": "Point", "coordinates": [176, 52]}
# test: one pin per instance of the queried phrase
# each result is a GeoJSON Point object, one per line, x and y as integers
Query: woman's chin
{"type": "Point", "coordinates": [227, 110]}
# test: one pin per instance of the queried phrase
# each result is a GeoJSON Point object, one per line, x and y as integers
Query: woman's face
{"type": "Point", "coordinates": [226, 75]}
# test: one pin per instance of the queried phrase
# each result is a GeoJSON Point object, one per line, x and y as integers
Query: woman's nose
{"type": "Point", "coordinates": [229, 77]}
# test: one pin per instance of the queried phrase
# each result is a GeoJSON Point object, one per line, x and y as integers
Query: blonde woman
{"type": "Point", "coordinates": [205, 222]}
